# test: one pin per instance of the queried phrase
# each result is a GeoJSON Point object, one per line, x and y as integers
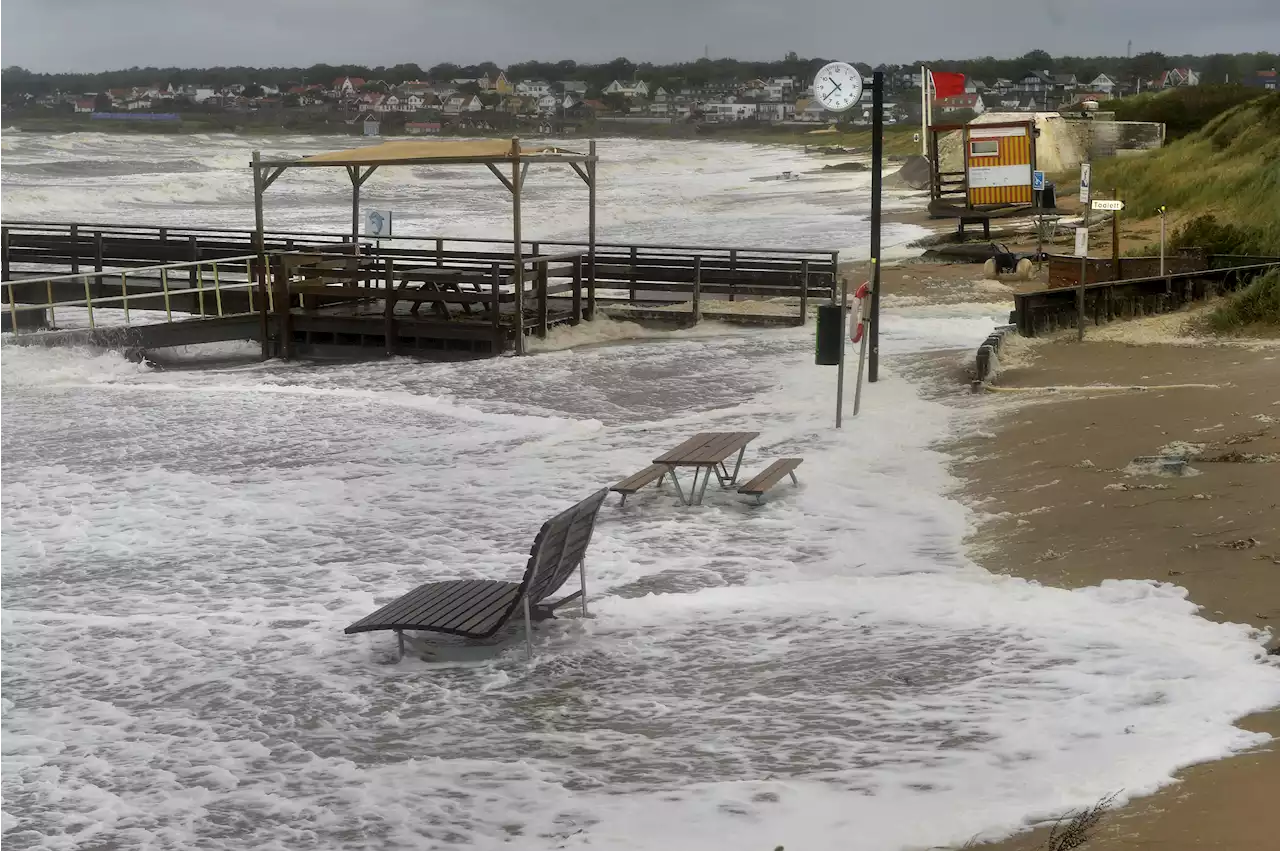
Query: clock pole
{"type": "Point", "coordinates": [877, 158]}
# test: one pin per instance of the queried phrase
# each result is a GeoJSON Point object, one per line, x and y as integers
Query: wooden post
{"type": "Point", "coordinates": [260, 272]}
{"type": "Point", "coordinates": [97, 252]}
{"type": "Point", "coordinates": [439, 252]}
{"type": "Point", "coordinates": [804, 292]}
{"type": "Point", "coordinates": [591, 231]}
{"type": "Point", "coordinates": [1115, 239]}
{"type": "Point", "coordinates": [733, 267]}
{"type": "Point", "coordinates": [75, 249]}
{"type": "Point", "coordinates": [697, 289]}
{"type": "Point", "coordinates": [193, 274]}
{"type": "Point", "coordinates": [517, 250]}
{"type": "Point", "coordinates": [499, 344]}
{"type": "Point", "coordinates": [633, 274]}
{"type": "Point", "coordinates": [389, 324]}
{"type": "Point", "coordinates": [284, 310]}
{"type": "Point", "coordinates": [260, 264]}
{"type": "Point", "coordinates": [577, 290]}
{"type": "Point", "coordinates": [354, 173]}
{"type": "Point", "coordinates": [4, 254]}
{"type": "Point", "coordinates": [542, 299]}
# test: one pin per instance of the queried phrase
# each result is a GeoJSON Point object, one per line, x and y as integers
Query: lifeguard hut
{"type": "Point", "coordinates": [996, 163]}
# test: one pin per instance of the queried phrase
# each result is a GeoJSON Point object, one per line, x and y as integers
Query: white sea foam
{"type": "Point", "coordinates": [183, 549]}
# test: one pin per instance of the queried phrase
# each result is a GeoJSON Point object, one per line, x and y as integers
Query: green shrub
{"type": "Point", "coordinates": [1214, 237]}
{"type": "Point", "coordinates": [1182, 110]}
{"type": "Point", "coordinates": [1257, 304]}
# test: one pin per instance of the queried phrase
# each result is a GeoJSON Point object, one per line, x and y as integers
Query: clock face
{"type": "Point", "coordinates": [838, 86]}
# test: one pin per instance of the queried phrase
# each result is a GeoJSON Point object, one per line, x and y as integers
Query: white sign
{"type": "Point", "coordinates": [1082, 242]}
{"type": "Point", "coordinates": [1086, 177]}
{"type": "Point", "coordinates": [1114, 206]}
{"type": "Point", "coordinates": [837, 86]}
{"type": "Point", "coordinates": [377, 223]}
{"type": "Point", "coordinates": [1037, 181]}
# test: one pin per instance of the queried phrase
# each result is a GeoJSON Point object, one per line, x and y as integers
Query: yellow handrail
{"type": "Point", "coordinates": [88, 300]}
{"type": "Point", "coordinates": [217, 291]}
{"type": "Point", "coordinates": [164, 285]}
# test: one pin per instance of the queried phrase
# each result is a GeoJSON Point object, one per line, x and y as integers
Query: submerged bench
{"type": "Point", "coordinates": [631, 484]}
{"type": "Point", "coordinates": [770, 476]}
{"type": "Point", "coordinates": [479, 608]}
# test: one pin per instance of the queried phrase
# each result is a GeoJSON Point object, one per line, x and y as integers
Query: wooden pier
{"type": "Point", "coordinates": [321, 293]}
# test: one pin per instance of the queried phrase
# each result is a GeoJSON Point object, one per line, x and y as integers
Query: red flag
{"type": "Point", "coordinates": [946, 85]}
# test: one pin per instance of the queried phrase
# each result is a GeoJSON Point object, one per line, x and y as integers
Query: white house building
{"type": "Point", "coordinates": [533, 88]}
{"type": "Point", "coordinates": [1102, 83]}
{"type": "Point", "coordinates": [637, 88]}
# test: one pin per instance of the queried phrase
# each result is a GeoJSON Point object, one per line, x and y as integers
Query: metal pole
{"type": "Point", "coordinates": [1084, 266]}
{"type": "Point", "coordinates": [582, 578]}
{"type": "Point", "coordinates": [1115, 239]}
{"type": "Point", "coordinates": [877, 164]}
{"type": "Point", "coordinates": [844, 307]}
{"type": "Point", "coordinates": [259, 243]}
{"type": "Point", "coordinates": [1162, 220]}
{"type": "Point", "coordinates": [528, 627]}
{"type": "Point", "coordinates": [924, 119]}
{"type": "Point", "coordinates": [517, 254]}
{"type": "Point", "coordinates": [591, 232]}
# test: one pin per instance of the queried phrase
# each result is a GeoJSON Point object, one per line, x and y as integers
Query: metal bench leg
{"type": "Point", "coordinates": [582, 579]}
{"type": "Point", "coordinates": [738, 466]}
{"type": "Point", "coordinates": [528, 629]}
{"type": "Point", "coordinates": [624, 501]}
{"type": "Point", "coordinates": [794, 480]}
{"type": "Point", "coordinates": [706, 478]}
{"type": "Point", "coordinates": [680, 490]}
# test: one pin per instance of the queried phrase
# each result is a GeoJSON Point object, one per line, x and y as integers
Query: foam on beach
{"type": "Point", "coordinates": [183, 549]}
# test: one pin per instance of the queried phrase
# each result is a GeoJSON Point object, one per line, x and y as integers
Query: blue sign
{"type": "Point", "coordinates": [1037, 181]}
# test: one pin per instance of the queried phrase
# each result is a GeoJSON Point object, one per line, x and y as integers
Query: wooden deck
{"type": "Point", "coordinates": [421, 295]}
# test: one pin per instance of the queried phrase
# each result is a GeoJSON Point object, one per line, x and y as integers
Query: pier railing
{"type": "Point", "coordinates": [201, 289]}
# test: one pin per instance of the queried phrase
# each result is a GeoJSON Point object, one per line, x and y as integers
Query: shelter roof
{"type": "Point", "coordinates": [406, 152]}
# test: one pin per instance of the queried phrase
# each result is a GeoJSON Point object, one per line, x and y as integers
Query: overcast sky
{"type": "Point", "coordinates": [91, 35]}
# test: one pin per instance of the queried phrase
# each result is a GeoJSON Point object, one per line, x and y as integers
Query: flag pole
{"type": "Point", "coordinates": [924, 112]}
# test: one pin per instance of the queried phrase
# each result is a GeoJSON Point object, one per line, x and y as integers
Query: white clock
{"type": "Point", "coordinates": [838, 86]}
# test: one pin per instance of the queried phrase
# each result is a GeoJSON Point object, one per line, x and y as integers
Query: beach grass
{"type": "Point", "coordinates": [1256, 307]}
{"type": "Point", "coordinates": [1229, 168]}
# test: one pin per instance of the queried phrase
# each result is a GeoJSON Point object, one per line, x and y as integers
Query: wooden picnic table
{"type": "Point", "coordinates": [707, 452]}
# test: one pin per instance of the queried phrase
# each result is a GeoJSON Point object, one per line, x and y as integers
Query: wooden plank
{"type": "Point", "coordinates": [636, 481]}
{"type": "Point", "coordinates": [684, 448]}
{"type": "Point", "coordinates": [770, 476]}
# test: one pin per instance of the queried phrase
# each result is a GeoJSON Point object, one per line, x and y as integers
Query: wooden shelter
{"type": "Point", "coordinates": [498, 156]}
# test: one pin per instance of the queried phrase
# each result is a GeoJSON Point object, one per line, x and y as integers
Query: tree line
{"type": "Point", "coordinates": [1215, 68]}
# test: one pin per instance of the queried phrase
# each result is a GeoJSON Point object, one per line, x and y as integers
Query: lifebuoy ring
{"type": "Point", "coordinates": [863, 310]}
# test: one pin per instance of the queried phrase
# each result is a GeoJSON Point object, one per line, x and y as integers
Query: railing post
{"type": "Point", "coordinates": [217, 288]}
{"type": "Point", "coordinates": [633, 274]}
{"type": "Point", "coordinates": [53, 322]}
{"type": "Point", "coordinates": [439, 252]}
{"type": "Point", "coordinates": [697, 289]}
{"type": "Point", "coordinates": [248, 279]}
{"type": "Point", "coordinates": [4, 254]}
{"type": "Point", "coordinates": [164, 286]}
{"type": "Point", "coordinates": [198, 281]}
{"type": "Point", "coordinates": [194, 251]}
{"type": "Point", "coordinates": [499, 342]}
{"type": "Point", "coordinates": [75, 249]}
{"type": "Point", "coordinates": [733, 267]}
{"type": "Point", "coordinates": [542, 298]}
{"type": "Point", "coordinates": [389, 330]}
{"type": "Point", "coordinates": [97, 252]}
{"type": "Point", "coordinates": [577, 290]}
{"type": "Point", "coordinates": [88, 301]}
{"type": "Point", "coordinates": [804, 292]}
{"type": "Point", "coordinates": [13, 312]}
{"type": "Point", "coordinates": [256, 270]}
{"type": "Point", "coordinates": [124, 294]}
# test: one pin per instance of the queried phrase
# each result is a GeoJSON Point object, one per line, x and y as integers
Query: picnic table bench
{"type": "Point", "coordinates": [479, 608]}
{"type": "Point", "coordinates": [770, 476]}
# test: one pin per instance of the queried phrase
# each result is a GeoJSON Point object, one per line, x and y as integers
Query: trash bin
{"type": "Point", "coordinates": [830, 335]}
{"type": "Point", "coordinates": [1048, 199]}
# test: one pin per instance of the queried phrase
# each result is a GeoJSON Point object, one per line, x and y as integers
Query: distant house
{"type": "Point", "coordinates": [533, 88]}
{"type": "Point", "coordinates": [956, 103]}
{"type": "Point", "coordinates": [729, 111]}
{"type": "Point", "coordinates": [502, 85]}
{"type": "Point", "coordinates": [974, 87]}
{"type": "Point", "coordinates": [809, 110]}
{"type": "Point", "coordinates": [1065, 82]}
{"type": "Point", "coordinates": [84, 105]}
{"type": "Point", "coordinates": [1102, 83]}
{"type": "Point", "coordinates": [1178, 77]}
{"type": "Point", "coordinates": [1003, 86]}
{"type": "Point", "coordinates": [348, 86]}
{"type": "Point", "coordinates": [1264, 80]}
{"type": "Point", "coordinates": [573, 87]}
{"type": "Point", "coordinates": [422, 128]}
{"type": "Point", "coordinates": [548, 104]}
{"type": "Point", "coordinates": [775, 111]}
{"type": "Point", "coordinates": [1034, 81]}
{"type": "Point", "coordinates": [458, 104]}
{"type": "Point", "coordinates": [637, 88]}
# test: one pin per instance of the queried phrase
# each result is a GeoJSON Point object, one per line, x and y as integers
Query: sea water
{"type": "Point", "coordinates": [182, 549]}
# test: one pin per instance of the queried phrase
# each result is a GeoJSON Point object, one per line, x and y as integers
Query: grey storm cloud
{"type": "Point", "coordinates": [88, 35]}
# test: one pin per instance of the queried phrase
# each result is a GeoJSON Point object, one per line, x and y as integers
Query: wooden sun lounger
{"type": "Point", "coordinates": [479, 608]}
{"type": "Point", "coordinates": [770, 476]}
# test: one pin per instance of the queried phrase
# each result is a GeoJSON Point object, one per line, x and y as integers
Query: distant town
{"type": "Point", "coordinates": [563, 96]}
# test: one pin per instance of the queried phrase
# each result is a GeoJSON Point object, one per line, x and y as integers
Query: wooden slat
{"type": "Point", "coordinates": [633, 483]}
{"type": "Point", "coordinates": [770, 476]}
{"type": "Point", "coordinates": [684, 449]}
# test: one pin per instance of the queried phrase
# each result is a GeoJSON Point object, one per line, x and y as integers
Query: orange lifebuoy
{"type": "Point", "coordinates": [861, 295]}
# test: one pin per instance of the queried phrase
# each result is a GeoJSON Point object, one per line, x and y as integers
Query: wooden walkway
{"type": "Point", "coordinates": [425, 294]}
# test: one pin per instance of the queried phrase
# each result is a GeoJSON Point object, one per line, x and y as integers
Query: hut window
{"type": "Point", "coordinates": [984, 148]}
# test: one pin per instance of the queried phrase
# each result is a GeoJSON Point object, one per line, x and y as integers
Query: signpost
{"type": "Point", "coordinates": [1162, 212]}
{"type": "Point", "coordinates": [1082, 246]}
{"type": "Point", "coordinates": [838, 87]}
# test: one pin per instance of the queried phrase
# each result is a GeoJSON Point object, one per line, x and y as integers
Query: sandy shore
{"type": "Point", "coordinates": [1052, 478]}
